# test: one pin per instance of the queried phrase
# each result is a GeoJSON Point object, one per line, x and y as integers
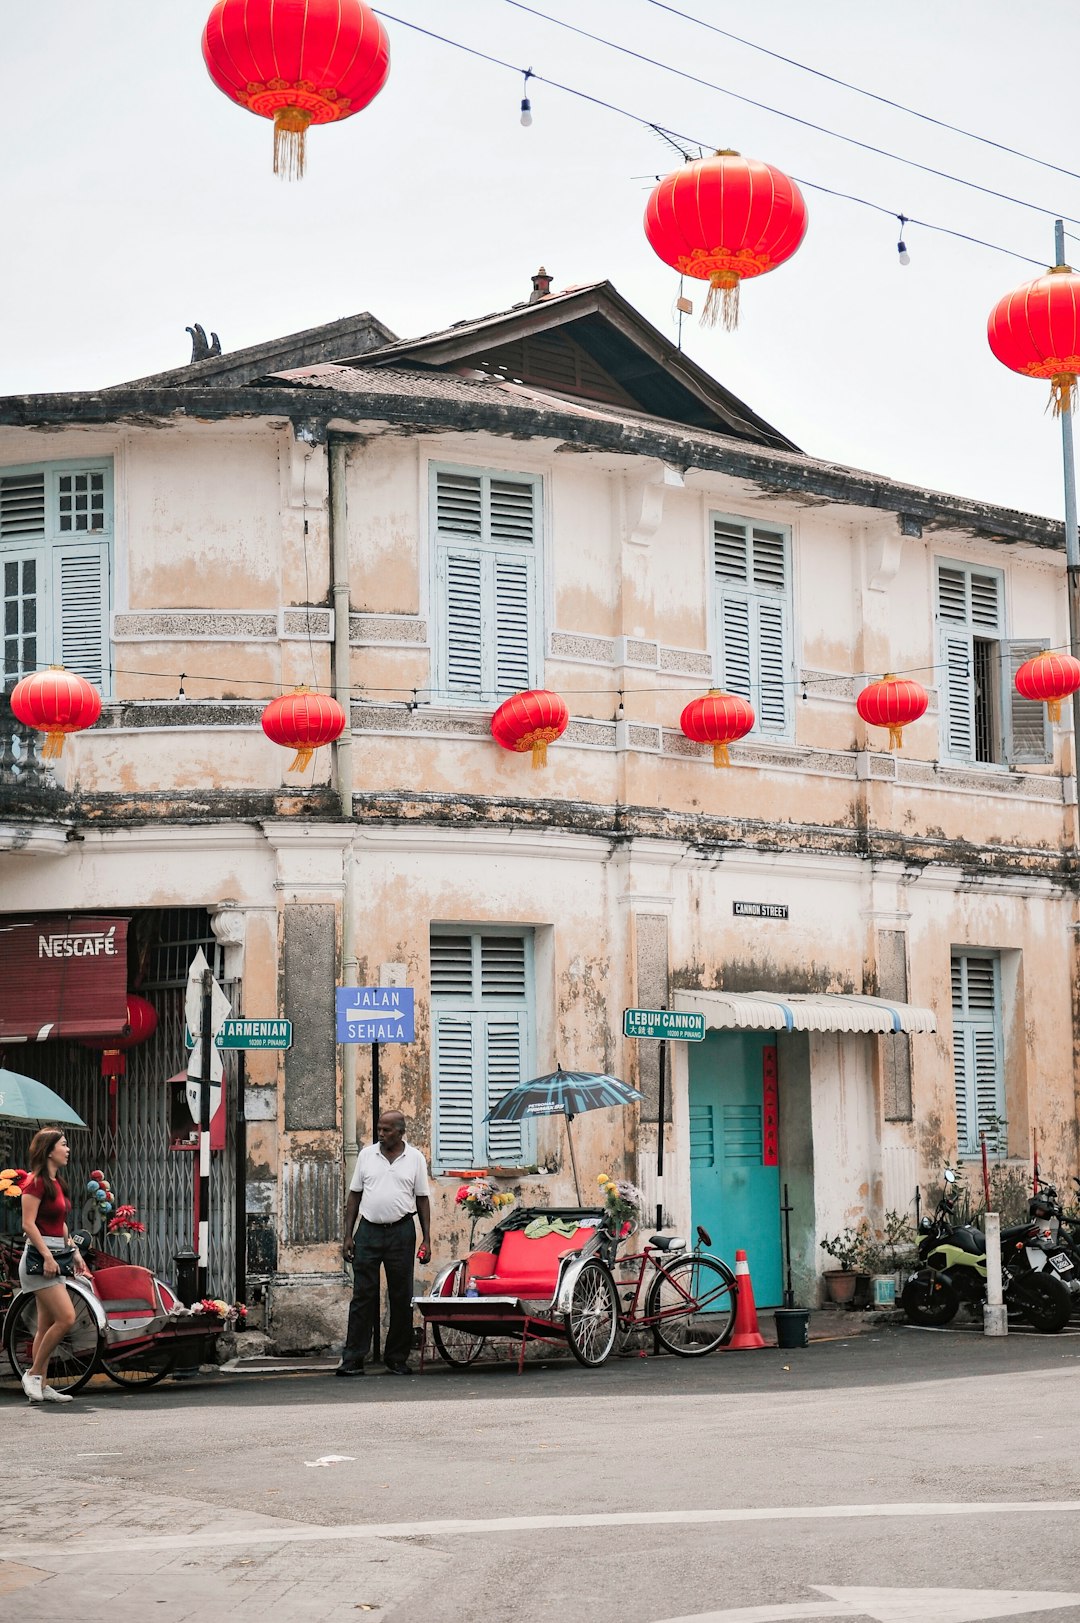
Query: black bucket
{"type": "Point", "coordinates": [792, 1326]}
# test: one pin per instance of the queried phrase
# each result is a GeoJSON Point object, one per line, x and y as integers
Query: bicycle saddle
{"type": "Point", "coordinates": [665, 1242]}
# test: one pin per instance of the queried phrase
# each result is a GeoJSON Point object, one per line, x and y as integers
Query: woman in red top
{"type": "Point", "coordinates": [45, 1212]}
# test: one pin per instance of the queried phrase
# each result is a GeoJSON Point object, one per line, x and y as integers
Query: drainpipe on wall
{"type": "Point", "coordinates": [337, 451]}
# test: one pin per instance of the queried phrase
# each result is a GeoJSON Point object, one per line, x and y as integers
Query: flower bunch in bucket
{"type": "Point", "coordinates": [481, 1198]}
{"type": "Point", "coordinates": [124, 1223]}
{"type": "Point", "coordinates": [213, 1307]}
{"type": "Point", "coordinates": [623, 1201]}
{"type": "Point", "coordinates": [11, 1183]}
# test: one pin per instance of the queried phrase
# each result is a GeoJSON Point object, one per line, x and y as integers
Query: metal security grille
{"type": "Point", "coordinates": [141, 1168]}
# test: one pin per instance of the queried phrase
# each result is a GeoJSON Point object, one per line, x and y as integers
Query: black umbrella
{"type": "Point", "coordinates": [566, 1094]}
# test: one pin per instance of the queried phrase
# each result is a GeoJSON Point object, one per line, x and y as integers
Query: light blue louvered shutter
{"type": "Point", "coordinates": [771, 700]}
{"type": "Point", "coordinates": [1028, 737]}
{"type": "Point", "coordinates": [462, 622]}
{"type": "Point", "coordinates": [978, 1070]}
{"type": "Point", "coordinates": [23, 574]}
{"type": "Point", "coordinates": [81, 610]}
{"type": "Point", "coordinates": [956, 689]}
{"type": "Point", "coordinates": [455, 1063]}
{"type": "Point", "coordinates": [752, 581]}
{"type": "Point", "coordinates": [504, 1069]}
{"type": "Point", "coordinates": [512, 621]}
{"type": "Point", "coordinates": [737, 664]}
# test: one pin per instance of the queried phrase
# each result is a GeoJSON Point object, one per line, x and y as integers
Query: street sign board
{"type": "Point", "coordinates": [220, 1008]}
{"type": "Point", "coordinates": [375, 1014]}
{"type": "Point", "coordinates": [249, 1033]}
{"type": "Point", "coordinates": [670, 1025]}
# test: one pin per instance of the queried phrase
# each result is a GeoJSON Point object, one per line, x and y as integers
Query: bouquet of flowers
{"type": "Point", "coordinates": [480, 1198]}
{"type": "Point", "coordinates": [213, 1307]}
{"type": "Point", "coordinates": [622, 1202]}
{"type": "Point", "coordinates": [123, 1224]}
{"type": "Point", "coordinates": [11, 1182]}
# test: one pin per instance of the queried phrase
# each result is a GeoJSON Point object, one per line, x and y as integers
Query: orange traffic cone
{"type": "Point", "coordinates": [747, 1334]}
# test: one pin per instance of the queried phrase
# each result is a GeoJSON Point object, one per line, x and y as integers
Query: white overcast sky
{"type": "Point", "coordinates": [137, 199]}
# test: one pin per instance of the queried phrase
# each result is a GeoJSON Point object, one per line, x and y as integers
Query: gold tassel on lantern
{"type": "Point", "coordinates": [720, 756]}
{"type": "Point", "coordinates": [290, 131]}
{"type": "Point", "coordinates": [53, 746]}
{"type": "Point", "coordinates": [722, 304]}
{"type": "Point", "coordinates": [1053, 709]}
{"type": "Point", "coordinates": [302, 759]}
{"type": "Point", "coordinates": [1061, 393]}
{"type": "Point", "coordinates": [537, 741]}
{"type": "Point", "coordinates": [896, 736]}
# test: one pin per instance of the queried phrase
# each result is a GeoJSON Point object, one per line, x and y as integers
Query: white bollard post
{"type": "Point", "coordinates": [995, 1322]}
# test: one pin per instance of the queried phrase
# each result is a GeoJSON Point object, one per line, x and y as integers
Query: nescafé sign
{"type": "Point", "coordinates": [63, 975]}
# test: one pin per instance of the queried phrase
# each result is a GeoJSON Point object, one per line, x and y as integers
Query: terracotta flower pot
{"type": "Point", "coordinates": [840, 1285]}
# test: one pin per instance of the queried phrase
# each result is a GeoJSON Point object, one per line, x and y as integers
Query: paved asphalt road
{"type": "Point", "coordinates": [828, 1482]}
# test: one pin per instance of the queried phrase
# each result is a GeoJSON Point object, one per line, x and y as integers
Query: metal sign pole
{"type": "Point", "coordinates": [375, 1111]}
{"type": "Point", "coordinates": [661, 1111]}
{"type": "Point", "coordinates": [240, 1208]}
{"type": "Point", "coordinates": [207, 1038]}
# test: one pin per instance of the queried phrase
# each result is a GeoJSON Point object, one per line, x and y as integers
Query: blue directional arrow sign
{"type": "Point", "coordinates": [375, 1014]}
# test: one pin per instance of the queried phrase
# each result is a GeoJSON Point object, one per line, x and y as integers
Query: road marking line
{"type": "Point", "coordinates": [896, 1606]}
{"type": "Point", "coordinates": [305, 1533]}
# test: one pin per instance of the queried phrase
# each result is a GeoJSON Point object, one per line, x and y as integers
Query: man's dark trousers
{"type": "Point", "coordinates": [389, 1245]}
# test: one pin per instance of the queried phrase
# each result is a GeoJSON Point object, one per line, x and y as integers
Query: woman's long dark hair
{"type": "Point", "coordinates": [41, 1147]}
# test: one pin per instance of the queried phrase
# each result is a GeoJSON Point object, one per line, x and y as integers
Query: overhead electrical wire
{"type": "Point", "coordinates": [792, 118]}
{"type": "Point", "coordinates": [652, 124]}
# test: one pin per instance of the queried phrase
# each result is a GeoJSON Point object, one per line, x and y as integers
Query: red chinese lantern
{"type": "Point", "coordinates": [1049, 678]}
{"type": "Point", "coordinates": [303, 721]}
{"type": "Point", "coordinates": [530, 721]}
{"type": "Point", "coordinates": [717, 719]}
{"type": "Point", "coordinates": [723, 219]}
{"type": "Point", "coordinates": [1036, 330]}
{"type": "Point", "coordinates": [298, 62]}
{"type": "Point", "coordinates": [56, 702]}
{"type": "Point", "coordinates": [141, 1025]}
{"type": "Point", "coordinates": [895, 703]}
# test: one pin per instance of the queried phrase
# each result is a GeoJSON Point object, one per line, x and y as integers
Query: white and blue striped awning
{"type": "Point", "coordinates": [802, 1011]}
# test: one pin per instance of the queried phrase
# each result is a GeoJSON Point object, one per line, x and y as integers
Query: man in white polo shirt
{"type": "Point", "coordinates": [389, 1190]}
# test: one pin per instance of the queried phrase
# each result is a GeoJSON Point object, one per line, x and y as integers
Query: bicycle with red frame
{"type": "Point", "coordinates": [686, 1298]}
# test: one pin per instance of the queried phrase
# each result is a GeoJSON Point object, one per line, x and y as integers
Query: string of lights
{"type": "Point", "coordinates": [793, 118]}
{"type": "Point", "coordinates": [682, 137]}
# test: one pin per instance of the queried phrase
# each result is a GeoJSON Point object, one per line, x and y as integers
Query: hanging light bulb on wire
{"type": "Point", "coordinates": [901, 246]}
{"type": "Point", "coordinates": [526, 104]}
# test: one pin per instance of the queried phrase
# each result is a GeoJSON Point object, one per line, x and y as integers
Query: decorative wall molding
{"type": "Point", "coordinates": [576, 645]}
{"type": "Point", "coordinates": [686, 662]}
{"type": "Point", "coordinates": [393, 630]}
{"type": "Point", "coordinates": [195, 625]}
{"type": "Point", "coordinates": [638, 651]}
{"type": "Point", "coordinates": [828, 685]}
{"type": "Point", "coordinates": [306, 624]}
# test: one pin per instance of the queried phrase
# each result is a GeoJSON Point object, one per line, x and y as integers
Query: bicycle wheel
{"type": "Point", "coordinates": [142, 1369]}
{"type": "Point", "coordinates": [457, 1347]}
{"type": "Point", "coordinates": [73, 1361]}
{"type": "Point", "coordinates": [692, 1300]}
{"type": "Point", "coordinates": [592, 1322]}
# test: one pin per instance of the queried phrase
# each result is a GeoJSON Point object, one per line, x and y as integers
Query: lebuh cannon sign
{"type": "Point", "coordinates": [670, 1025]}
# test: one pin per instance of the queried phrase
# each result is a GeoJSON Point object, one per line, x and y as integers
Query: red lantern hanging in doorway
{"type": "Point", "coordinates": [717, 719]}
{"type": "Point", "coordinates": [303, 721]}
{"type": "Point", "coordinates": [1048, 678]}
{"type": "Point", "coordinates": [894, 702]}
{"type": "Point", "coordinates": [723, 219]}
{"type": "Point", "coordinates": [1035, 330]}
{"type": "Point", "coordinates": [530, 721]}
{"type": "Point", "coordinates": [55, 702]}
{"type": "Point", "coordinates": [141, 1024]}
{"type": "Point", "coordinates": [299, 62]}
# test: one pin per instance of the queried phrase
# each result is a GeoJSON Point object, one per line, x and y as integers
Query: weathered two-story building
{"type": "Point", "coordinates": [882, 942]}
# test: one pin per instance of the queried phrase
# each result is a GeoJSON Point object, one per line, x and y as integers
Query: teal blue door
{"type": "Point", "coordinates": [734, 1176]}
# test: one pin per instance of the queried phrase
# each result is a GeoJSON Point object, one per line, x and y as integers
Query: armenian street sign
{"type": "Point", "coordinates": [375, 1014]}
{"type": "Point", "coordinates": [665, 1025]}
{"type": "Point", "coordinates": [250, 1033]}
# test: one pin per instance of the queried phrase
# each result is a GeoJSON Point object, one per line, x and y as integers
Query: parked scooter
{"type": "Point", "coordinates": [1062, 1245]}
{"type": "Point", "coordinates": [953, 1257]}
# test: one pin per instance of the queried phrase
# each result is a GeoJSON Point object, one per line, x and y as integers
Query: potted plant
{"type": "Point", "coordinates": [846, 1248]}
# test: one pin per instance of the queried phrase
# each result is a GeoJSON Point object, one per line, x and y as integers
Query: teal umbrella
{"type": "Point", "coordinates": [24, 1100]}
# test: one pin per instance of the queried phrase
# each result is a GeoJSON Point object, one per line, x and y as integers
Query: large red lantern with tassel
{"type": "Point", "coordinates": [894, 702]}
{"type": "Point", "coordinates": [723, 219]}
{"type": "Point", "coordinates": [717, 719]}
{"type": "Point", "coordinates": [299, 62]}
{"type": "Point", "coordinates": [530, 721]}
{"type": "Point", "coordinates": [1049, 678]}
{"type": "Point", "coordinates": [56, 702]}
{"type": "Point", "coordinates": [303, 721]}
{"type": "Point", "coordinates": [1036, 330]}
{"type": "Point", "coordinates": [141, 1024]}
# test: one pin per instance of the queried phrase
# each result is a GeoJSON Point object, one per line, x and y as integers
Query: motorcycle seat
{"type": "Point", "coordinates": [1019, 1231]}
{"type": "Point", "coordinates": [968, 1238]}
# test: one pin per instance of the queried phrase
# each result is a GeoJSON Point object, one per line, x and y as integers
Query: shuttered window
{"type": "Point", "coordinates": [55, 545]}
{"type": "Point", "coordinates": [487, 551]}
{"type": "Point", "coordinates": [482, 1019]}
{"type": "Point", "coordinates": [978, 1053]}
{"type": "Point", "coordinates": [983, 718]}
{"type": "Point", "coordinates": [752, 611]}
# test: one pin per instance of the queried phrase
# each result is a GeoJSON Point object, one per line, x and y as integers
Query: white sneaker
{"type": "Point", "coordinates": [51, 1395]}
{"type": "Point", "coordinates": [31, 1385]}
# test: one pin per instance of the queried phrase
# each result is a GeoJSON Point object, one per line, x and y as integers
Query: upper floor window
{"type": "Point", "coordinates": [487, 571]}
{"type": "Point", "coordinates": [752, 615]}
{"type": "Point", "coordinates": [56, 525]}
{"type": "Point", "coordinates": [978, 1053]}
{"type": "Point", "coordinates": [482, 1015]}
{"type": "Point", "coordinates": [983, 718]}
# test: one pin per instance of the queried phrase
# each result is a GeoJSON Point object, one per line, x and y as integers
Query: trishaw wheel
{"type": "Point", "coordinates": [142, 1369]}
{"type": "Point", "coordinates": [73, 1361]}
{"type": "Point", "coordinates": [593, 1320]}
{"type": "Point", "coordinates": [458, 1347]}
{"type": "Point", "coordinates": [693, 1302]}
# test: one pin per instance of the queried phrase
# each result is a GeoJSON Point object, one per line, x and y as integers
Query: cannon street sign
{"type": "Point", "coordinates": [666, 1025]}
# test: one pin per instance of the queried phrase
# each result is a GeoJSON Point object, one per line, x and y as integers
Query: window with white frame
{"type": "Point", "coordinates": [978, 1052]}
{"type": "Point", "coordinates": [482, 1015]}
{"type": "Point", "coordinates": [56, 525]}
{"type": "Point", "coordinates": [983, 718]}
{"type": "Point", "coordinates": [487, 533]}
{"type": "Point", "coordinates": [751, 566]}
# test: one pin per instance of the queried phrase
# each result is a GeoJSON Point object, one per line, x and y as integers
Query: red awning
{"type": "Point", "coordinates": [62, 975]}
